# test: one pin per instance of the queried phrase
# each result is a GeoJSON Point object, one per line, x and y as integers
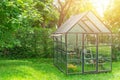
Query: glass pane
{"type": "Point", "coordinates": [63, 43]}
{"type": "Point", "coordinates": [77, 28]}
{"type": "Point", "coordinates": [63, 61]}
{"type": "Point", "coordinates": [71, 42]}
{"type": "Point", "coordinates": [89, 52]}
{"type": "Point", "coordinates": [89, 59]}
{"type": "Point", "coordinates": [63, 38]}
{"type": "Point", "coordinates": [55, 53]}
{"type": "Point", "coordinates": [91, 26]}
{"type": "Point", "coordinates": [58, 42]}
{"type": "Point", "coordinates": [55, 58]}
{"type": "Point", "coordinates": [74, 54]}
{"type": "Point", "coordinates": [86, 28]}
{"type": "Point", "coordinates": [104, 58]}
{"type": "Point", "coordinates": [74, 62]}
{"type": "Point", "coordinates": [90, 40]}
{"type": "Point", "coordinates": [80, 40]}
{"type": "Point", "coordinates": [97, 22]}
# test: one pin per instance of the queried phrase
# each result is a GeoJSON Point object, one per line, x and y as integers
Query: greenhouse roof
{"type": "Point", "coordinates": [88, 23]}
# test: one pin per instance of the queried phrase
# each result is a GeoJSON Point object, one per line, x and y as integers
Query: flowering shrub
{"type": "Point", "coordinates": [72, 67]}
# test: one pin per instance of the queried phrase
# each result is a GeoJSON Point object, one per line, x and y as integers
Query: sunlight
{"type": "Point", "coordinates": [100, 5]}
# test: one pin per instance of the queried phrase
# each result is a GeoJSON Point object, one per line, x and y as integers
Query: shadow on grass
{"type": "Point", "coordinates": [43, 69]}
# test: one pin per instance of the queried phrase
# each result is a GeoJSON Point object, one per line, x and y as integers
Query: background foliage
{"type": "Point", "coordinates": [26, 25]}
{"type": "Point", "coordinates": [113, 21]}
{"type": "Point", "coordinates": [25, 29]}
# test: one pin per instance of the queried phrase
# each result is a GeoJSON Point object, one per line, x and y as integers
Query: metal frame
{"type": "Point", "coordinates": [65, 28]}
{"type": "Point", "coordinates": [66, 70]}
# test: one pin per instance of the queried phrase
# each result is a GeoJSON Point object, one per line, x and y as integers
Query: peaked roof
{"type": "Point", "coordinates": [87, 21]}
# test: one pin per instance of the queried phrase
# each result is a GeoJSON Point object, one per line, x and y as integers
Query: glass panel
{"type": "Point", "coordinates": [91, 26]}
{"type": "Point", "coordinates": [74, 62]}
{"type": "Point", "coordinates": [79, 40]}
{"type": "Point", "coordinates": [60, 52]}
{"type": "Point", "coordinates": [74, 55]}
{"type": "Point", "coordinates": [90, 40]}
{"type": "Point", "coordinates": [63, 43]}
{"type": "Point", "coordinates": [71, 42]}
{"type": "Point", "coordinates": [59, 56]}
{"type": "Point", "coordinates": [63, 38]}
{"type": "Point", "coordinates": [104, 58]}
{"type": "Point", "coordinates": [104, 52]}
{"type": "Point", "coordinates": [77, 28]}
{"type": "Point", "coordinates": [55, 53]}
{"type": "Point", "coordinates": [97, 22]}
{"type": "Point", "coordinates": [89, 52]}
{"type": "Point", "coordinates": [89, 59]}
{"type": "Point", "coordinates": [59, 43]}
{"type": "Point", "coordinates": [85, 27]}
{"type": "Point", "coordinates": [63, 61]}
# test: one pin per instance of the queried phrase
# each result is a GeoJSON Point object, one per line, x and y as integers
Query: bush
{"type": "Point", "coordinates": [72, 68]}
{"type": "Point", "coordinates": [34, 42]}
{"type": "Point", "coordinates": [116, 47]}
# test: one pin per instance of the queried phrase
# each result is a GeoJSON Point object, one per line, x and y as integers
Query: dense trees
{"type": "Point", "coordinates": [26, 25]}
{"type": "Point", "coordinates": [66, 8]}
{"type": "Point", "coordinates": [63, 8]}
{"type": "Point", "coordinates": [9, 23]}
{"type": "Point", "coordinates": [112, 17]}
{"type": "Point", "coordinates": [23, 27]}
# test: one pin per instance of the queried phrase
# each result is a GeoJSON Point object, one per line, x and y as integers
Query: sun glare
{"type": "Point", "coordinates": [100, 5]}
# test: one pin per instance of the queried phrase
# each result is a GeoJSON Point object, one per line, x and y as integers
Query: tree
{"type": "Point", "coordinates": [47, 14]}
{"type": "Point", "coordinates": [19, 19]}
{"type": "Point", "coordinates": [79, 6]}
{"type": "Point", "coordinates": [9, 23]}
{"type": "Point", "coordinates": [63, 8]}
{"type": "Point", "coordinates": [66, 8]}
{"type": "Point", "coordinates": [112, 15]}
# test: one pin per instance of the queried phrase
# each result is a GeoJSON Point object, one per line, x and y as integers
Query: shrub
{"type": "Point", "coordinates": [71, 68]}
{"type": "Point", "coordinates": [34, 42]}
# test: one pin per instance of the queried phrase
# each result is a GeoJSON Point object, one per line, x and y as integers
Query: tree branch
{"type": "Point", "coordinates": [67, 9]}
{"type": "Point", "coordinates": [66, 3]}
{"type": "Point", "coordinates": [57, 8]}
{"type": "Point", "coordinates": [60, 3]}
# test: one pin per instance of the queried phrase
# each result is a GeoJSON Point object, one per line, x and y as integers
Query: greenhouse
{"type": "Point", "coordinates": [83, 45]}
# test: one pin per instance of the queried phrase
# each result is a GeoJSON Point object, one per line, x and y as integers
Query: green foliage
{"type": "Point", "coordinates": [68, 8]}
{"type": "Point", "coordinates": [47, 12]}
{"type": "Point", "coordinates": [9, 23]}
{"type": "Point", "coordinates": [116, 47]}
{"type": "Point", "coordinates": [25, 28]}
{"type": "Point", "coordinates": [34, 42]}
{"type": "Point", "coordinates": [72, 68]}
{"type": "Point", "coordinates": [112, 16]}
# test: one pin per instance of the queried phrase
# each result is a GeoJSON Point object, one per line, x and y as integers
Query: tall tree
{"type": "Point", "coordinates": [9, 22]}
{"type": "Point", "coordinates": [79, 6]}
{"type": "Point", "coordinates": [63, 8]}
{"type": "Point", "coordinates": [112, 15]}
{"type": "Point", "coordinates": [47, 13]}
{"type": "Point", "coordinates": [66, 8]}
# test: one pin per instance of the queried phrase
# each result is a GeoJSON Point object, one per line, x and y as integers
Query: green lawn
{"type": "Point", "coordinates": [43, 69]}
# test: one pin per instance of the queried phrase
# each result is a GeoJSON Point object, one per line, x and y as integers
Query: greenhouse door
{"type": "Point", "coordinates": [89, 53]}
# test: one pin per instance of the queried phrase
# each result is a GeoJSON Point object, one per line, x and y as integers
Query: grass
{"type": "Point", "coordinates": [43, 69]}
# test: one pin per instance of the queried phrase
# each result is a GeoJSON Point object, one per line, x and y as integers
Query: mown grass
{"type": "Point", "coordinates": [43, 69]}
